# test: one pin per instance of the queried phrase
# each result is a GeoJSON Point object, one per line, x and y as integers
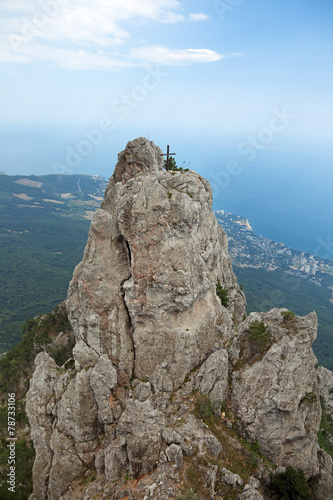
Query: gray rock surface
{"type": "Point", "coordinates": [324, 482]}
{"type": "Point", "coordinates": [212, 377]}
{"type": "Point", "coordinates": [174, 454]}
{"type": "Point", "coordinates": [326, 388]}
{"type": "Point", "coordinates": [103, 378]}
{"type": "Point", "coordinates": [230, 478]}
{"type": "Point", "coordinates": [276, 399]}
{"type": "Point", "coordinates": [147, 279]}
{"type": "Point", "coordinates": [116, 459]}
{"type": "Point", "coordinates": [250, 493]}
{"type": "Point", "coordinates": [41, 422]}
{"type": "Point", "coordinates": [142, 426]}
{"type": "Point", "coordinates": [201, 440]}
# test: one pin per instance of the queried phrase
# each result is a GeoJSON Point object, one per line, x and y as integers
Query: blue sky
{"type": "Point", "coordinates": [81, 78]}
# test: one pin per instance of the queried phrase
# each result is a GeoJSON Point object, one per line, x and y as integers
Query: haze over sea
{"type": "Point", "coordinates": [286, 195]}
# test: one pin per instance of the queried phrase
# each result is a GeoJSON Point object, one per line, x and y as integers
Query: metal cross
{"type": "Point", "coordinates": [168, 154]}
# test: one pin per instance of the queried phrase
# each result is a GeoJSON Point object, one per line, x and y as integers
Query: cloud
{"type": "Point", "coordinates": [199, 17]}
{"type": "Point", "coordinates": [163, 55]}
{"type": "Point", "coordinates": [82, 21]}
{"type": "Point", "coordinates": [81, 34]}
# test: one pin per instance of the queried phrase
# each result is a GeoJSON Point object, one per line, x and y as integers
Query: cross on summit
{"type": "Point", "coordinates": [168, 154]}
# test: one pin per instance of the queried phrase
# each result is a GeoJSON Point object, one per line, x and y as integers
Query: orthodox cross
{"type": "Point", "coordinates": [168, 154]}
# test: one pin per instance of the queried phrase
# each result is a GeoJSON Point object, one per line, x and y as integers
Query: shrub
{"type": "Point", "coordinates": [222, 293]}
{"type": "Point", "coordinates": [62, 353]}
{"type": "Point", "coordinates": [310, 398]}
{"type": "Point", "coordinates": [70, 364]}
{"type": "Point", "coordinates": [259, 335]}
{"type": "Point", "coordinates": [172, 165]}
{"type": "Point", "coordinates": [205, 407]}
{"type": "Point", "coordinates": [287, 316]}
{"type": "Point", "coordinates": [291, 485]}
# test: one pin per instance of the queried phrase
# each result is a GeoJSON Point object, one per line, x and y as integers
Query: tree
{"type": "Point", "coordinates": [291, 485]}
{"type": "Point", "coordinates": [222, 293]}
{"type": "Point", "coordinates": [172, 165]}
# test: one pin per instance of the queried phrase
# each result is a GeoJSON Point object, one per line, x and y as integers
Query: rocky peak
{"type": "Point", "coordinates": [167, 380]}
{"type": "Point", "coordinates": [144, 293]}
{"type": "Point", "coordinates": [140, 157]}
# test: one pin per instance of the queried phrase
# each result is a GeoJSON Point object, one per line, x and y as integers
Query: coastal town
{"type": "Point", "coordinates": [249, 250]}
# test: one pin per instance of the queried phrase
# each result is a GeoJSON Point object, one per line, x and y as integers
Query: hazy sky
{"type": "Point", "coordinates": [80, 78]}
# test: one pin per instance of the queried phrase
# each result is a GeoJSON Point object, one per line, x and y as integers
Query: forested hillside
{"type": "Point", "coordinates": [44, 223]}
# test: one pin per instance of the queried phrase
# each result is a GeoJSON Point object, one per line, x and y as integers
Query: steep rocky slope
{"type": "Point", "coordinates": [170, 387]}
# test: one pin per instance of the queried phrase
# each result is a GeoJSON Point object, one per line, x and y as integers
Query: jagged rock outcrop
{"type": "Point", "coordinates": [146, 285]}
{"type": "Point", "coordinates": [39, 413]}
{"type": "Point", "coordinates": [326, 388]}
{"type": "Point", "coordinates": [276, 398]}
{"type": "Point", "coordinates": [156, 352]}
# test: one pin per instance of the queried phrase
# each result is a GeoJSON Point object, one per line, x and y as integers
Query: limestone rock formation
{"type": "Point", "coordinates": [326, 388]}
{"type": "Point", "coordinates": [276, 398]}
{"type": "Point", "coordinates": [165, 374]}
{"type": "Point", "coordinates": [146, 285]}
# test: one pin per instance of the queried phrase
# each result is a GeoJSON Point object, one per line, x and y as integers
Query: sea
{"type": "Point", "coordinates": [287, 197]}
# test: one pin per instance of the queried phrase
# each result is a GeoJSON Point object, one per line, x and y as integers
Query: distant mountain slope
{"type": "Point", "coordinates": [44, 223]}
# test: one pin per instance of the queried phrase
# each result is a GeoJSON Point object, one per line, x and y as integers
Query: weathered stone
{"type": "Point", "coordinates": [174, 454]}
{"type": "Point", "coordinates": [230, 478]}
{"type": "Point", "coordinates": [196, 434]}
{"type": "Point", "coordinates": [148, 276]}
{"type": "Point", "coordinates": [100, 461]}
{"type": "Point", "coordinates": [66, 465]}
{"type": "Point", "coordinates": [74, 439]}
{"type": "Point", "coordinates": [171, 436]}
{"type": "Point", "coordinates": [116, 459]}
{"type": "Point", "coordinates": [142, 391]}
{"type": "Point", "coordinates": [161, 380]}
{"type": "Point", "coordinates": [142, 425]}
{"type": "Point", "coordinates": [77, 415]}
{"type": "Point", "coordinates": [250, 493]}
{"type": "Point", "coordinates": [146, 317]}
{"type": "Point", "coordinates": [212, 377]}
{"type": "Point", "coordinates": [254, 482]}
{"type": "Point", "coordinates": [211, 478]}
{"type": "Point", "coordinates": [276, 398]}
{"type": "Point", "coordinates": [40, 393]}
{"type": "Point", "coordinates": [103, 378]}
{"type": "Point", "coordinates": [95, 303]}
{"type": "Point", "coordinates": [326, 388]}
{"type": "Point", "coordinates": [84, 355]}
{"type": "Point", "coordinates": [324, 482]}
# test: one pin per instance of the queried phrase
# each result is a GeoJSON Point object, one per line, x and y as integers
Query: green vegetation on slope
{"type": "Point", "coordinates": [41, 241]}
{"type": "Point", "coordinates": [16, 368]}
{"type": "Point", "coordinates": [291, 485]}
{"type": "Point", "coordinates": [325, 434]}
{"type": "Point", "coordinates": [222, 293]}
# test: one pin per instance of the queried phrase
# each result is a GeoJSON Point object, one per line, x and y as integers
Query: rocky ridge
{"type": "Point", "coordinates": [166, 378]}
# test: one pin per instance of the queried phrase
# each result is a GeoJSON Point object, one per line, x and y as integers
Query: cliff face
{"type": "Point", "coordinates": [144, 293]}
{"type": "Point", "coordinates": [154, 344]}
{"type": "Point", "coordinates": [276, 398]}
